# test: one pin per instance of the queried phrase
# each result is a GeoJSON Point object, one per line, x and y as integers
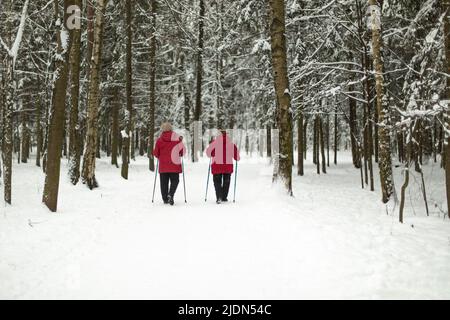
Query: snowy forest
{"type": "Point", "coordinates": [339, 109]}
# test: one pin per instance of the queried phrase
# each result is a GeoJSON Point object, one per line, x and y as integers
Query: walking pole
{"type": "Point", "coordinates": [184, 180]}
{"type": "Point", "coordinates": [235, 182]}
{"type": "Point", "coordinates": [207, 181]}
{"type": "Point", "coordinates": [154, 185]}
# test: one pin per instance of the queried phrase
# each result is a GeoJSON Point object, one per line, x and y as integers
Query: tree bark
{"type": "Point", "coordinates": [327, 131]}
{"type": "Point", "coordinates": [129, 111]}
{"type": "Point", "coordinates": [368, 112]}
{"type": "Point", "coordinates": [38, 126]}
{"type": "Point", "coordinates": [89, 158]}
{"type": "Point", "coordinates": [315, 137]}
{"type": "Point", "coordinates": [336, 139]}
{"type": "Point", "coordinates": [300, 143]}
{"type": "Point", "coordinates": [354, 130]}
{"type": "Point", "coordinates": [446, 8]}
{"type": "Point", "coordinates": [151, 125]}
{"type": "Point", "coordinates": [7, 141]}
{"type": "Point", "coordinates": [25, 142]}
{"type": "Point", "coordinates": [74, 144]}
{"type": "Point", "coordinates": [305, 138]}
{"type": "Point", "coordinates": [408, 159]}
{"type": "Point", "coordinates": [198, 97]}
{"type": "Point", "coordinates": [115, 128]}
{"type": "Point", "coordinates": [385, 161]}
{"type": "Point", "coordinates": [322, 145]}
{"type": "Point", "coordinates": [57, 115]}
{"type": "Point", "coordinates": [280, 74]}
{"type": "Point", "coordinates": [317, 143]}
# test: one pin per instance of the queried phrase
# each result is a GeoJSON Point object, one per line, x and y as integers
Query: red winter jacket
{"type": "Point", "coordinates": [222, 150]}
{"type": "Point", "coordinates": [169, 149]}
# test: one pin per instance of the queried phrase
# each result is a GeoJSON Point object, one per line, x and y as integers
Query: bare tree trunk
{"type": "Point", "coordinates": [129, 112]}
{"type": "Point", "coordinates": [88, 172]}
{"type": "Point", "coordinates": [408, 159]}
{"type": "Point", "coordinates": [376, 146]}
{"type": "Point", "coordinates": [151, 125]}
{"type": "Point", "coordinates": [300, 143]}
{"type": "Point", "coordinates": [220, 112]}
{"type": "Point", "coordinates": [354, 131]}
{"type": "Point", "coordinates": [57, 115]}
{"type": "Point", "coordinates": [403, 191]}
{"type": "Point", "coordinates": [16, 146]}
{"type": "Point", "coordinates": [280, 73]}
{"type": "Point", "coordinates": [359, 150]}
{"type": "Point", "coordinates": [7, 141]}
{"type": "Point", "coordinates": [336, 139]}
{"type": "Point", "coordinates": [38, 126]}
{"type": "Point", "coordinates": [400, 147]}
{"type": "Point", "coordinates": [115, 128]}
{"type": "Point", "coordinates": [322, 145]}
{"type": "Point", "coordinates": [368, 112]}
{"type": "Point", "coordinates": [90, 13]}
{"type": "Point", "coordinates": [97, 146]}
{"type": "Point", "coordinates": [184, 85]}
{"type": "Point", "coordinates": [2, 111]}
{"type": "Point", "coordinates": [25, 146]}
{"type": "Point", "coordinates": [446, 147]}
{"type": "Point", "coordinates": [367, 133]}
{"type": "Point", "coordinates": [305, 137]}
{"type": "Point", "coordinates": [327, 134]}
{"type": "Point", "coordinates": [143, 144]}
{"type": "Point", "coordinates": [315, 137]}
{"type": "Point", "coordinates": [74, 128]}
{"type": "Point", "coordinates": [198, 98]}
{"type": "Point", "coordinates": [435, 140]}
{"type": "Point", "coordinates": [385, 161]}
{"type": "Point", "coordinates": [317, 143]}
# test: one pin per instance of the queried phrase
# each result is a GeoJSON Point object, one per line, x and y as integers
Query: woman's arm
{"type": "Point", "coordinates": [156, 151]}
{"type": "Point", "coordinates": [210, 151]}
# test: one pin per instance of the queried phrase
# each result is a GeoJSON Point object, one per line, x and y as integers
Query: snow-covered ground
{"type": "Point", "coordinates": [333, 240]}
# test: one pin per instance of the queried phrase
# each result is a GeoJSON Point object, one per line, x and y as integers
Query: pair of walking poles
{"type": "Point", "coordinates": [156, 175]}
{"type": "Point", "coordinates": [184, 181]}
{"type": "Point", "coordinates": [235, 181]}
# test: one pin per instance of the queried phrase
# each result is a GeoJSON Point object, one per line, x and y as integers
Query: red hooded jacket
{"type": "Point", "coordinates": [222, 151]}
{"type": "Point", "coordinates": [169, 149]}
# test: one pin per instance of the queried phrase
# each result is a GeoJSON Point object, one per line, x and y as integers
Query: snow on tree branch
{"type": "Point", "coordinates": [14, 50]}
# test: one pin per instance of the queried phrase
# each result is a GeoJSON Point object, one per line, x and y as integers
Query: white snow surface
{"type": "Point", "coordinates": [332, 241]}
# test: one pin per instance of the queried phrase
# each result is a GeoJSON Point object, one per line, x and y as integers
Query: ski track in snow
{"type": "Point", "coordinates": [333, 240]}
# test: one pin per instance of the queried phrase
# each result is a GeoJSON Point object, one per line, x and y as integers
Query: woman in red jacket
{"type": "Point", "coordinates": [222, 151]}
{"type": "Point", "coordinates": [169, 149]}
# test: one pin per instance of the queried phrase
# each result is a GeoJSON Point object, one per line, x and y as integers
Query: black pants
{"type": "Point", "coordinates": [174, 179]}
{"type": "Point", "coordinates": [222, 185]}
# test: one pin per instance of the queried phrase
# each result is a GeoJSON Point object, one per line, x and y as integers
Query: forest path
{"type": "Point", "coordinates": [333, 240]}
